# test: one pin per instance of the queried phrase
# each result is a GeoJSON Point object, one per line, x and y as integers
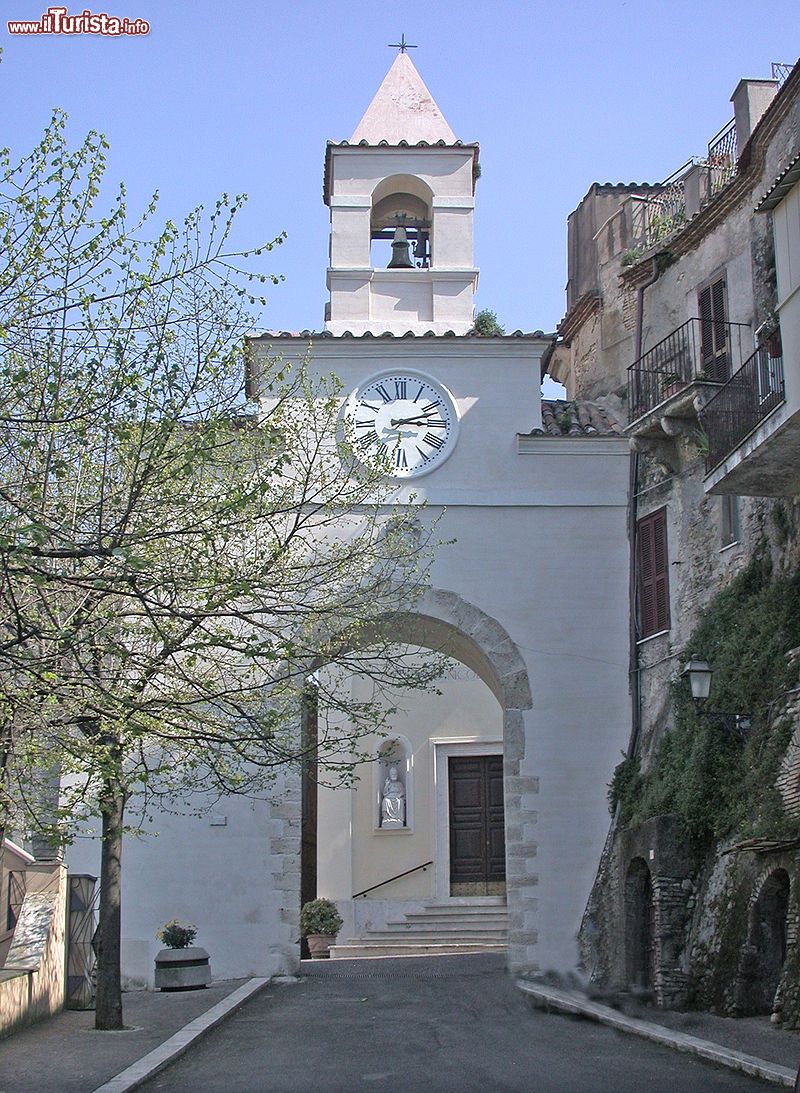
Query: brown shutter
{"type": "Point", "coordinates": [711, 307]}
{"type": "Point", "coordinates": [653, 564]}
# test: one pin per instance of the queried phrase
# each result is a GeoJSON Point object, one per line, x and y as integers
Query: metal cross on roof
{"type": "Point", "coordinates": [402, 45]}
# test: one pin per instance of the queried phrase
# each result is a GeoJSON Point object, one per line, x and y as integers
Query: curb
{"type": "Point", "coordinates": [570, 1002]}
{"type": "Point", "coordinates": [139, 1072]}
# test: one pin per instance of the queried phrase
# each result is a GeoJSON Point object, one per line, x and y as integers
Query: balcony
{"type": "Point", "coordinates": [672, 381]}
{"type": "Point", "coordinates": [741, 404]}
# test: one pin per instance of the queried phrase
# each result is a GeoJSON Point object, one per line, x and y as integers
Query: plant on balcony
{"type": "Point", "coordinates": [703, 442]}
{"type": "Point", "coordinates": [671, 383]}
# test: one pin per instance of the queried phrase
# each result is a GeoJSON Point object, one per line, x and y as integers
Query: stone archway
{"type": "Point", "coordinates": [764, 955]}
{"type": "Point", "coordinates": [444, 621]}
{"type": "Point", "coordinates": [639, 927]}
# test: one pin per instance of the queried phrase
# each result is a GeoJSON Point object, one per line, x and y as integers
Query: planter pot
{"type": "Point", "coordinates": [182, 969]}
{"type": "Point", "coordinates": [319, 945]}
{"type": "Point", "coordinates": [670, 389]}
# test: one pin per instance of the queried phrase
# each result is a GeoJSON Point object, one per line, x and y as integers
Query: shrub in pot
{"type": "Point", "coordinates": [181, 966]}
{"type": "Point", "coordinates": [320, 922]}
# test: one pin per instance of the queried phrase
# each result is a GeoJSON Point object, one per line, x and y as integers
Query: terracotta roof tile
{"type": "Point", "coordinates": [577, 418]}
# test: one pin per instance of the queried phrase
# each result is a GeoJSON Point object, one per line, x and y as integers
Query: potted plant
{"type": "Point", "coordinates": [181, 966]}
{"type": "Point", "coordinates": [320, 922]}
{"type": "Point", "coordinates": [671, 383]}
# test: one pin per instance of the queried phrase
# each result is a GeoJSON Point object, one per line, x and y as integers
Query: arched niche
{"type": "Point", "coordinates": [396, 815]}
{"type": "Point", "coordinates": [407, 201]}
{"type": "Point", "coordinates": [639, 926]}
{"type": "Point", "coordinates": [764, 955]}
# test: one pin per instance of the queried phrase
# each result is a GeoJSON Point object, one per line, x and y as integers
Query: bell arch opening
{"type": "Point", "coordinates": [401, 220]}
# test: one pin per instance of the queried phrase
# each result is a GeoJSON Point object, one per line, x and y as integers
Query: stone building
{"type": "Point", "coordinates": [682, 315]}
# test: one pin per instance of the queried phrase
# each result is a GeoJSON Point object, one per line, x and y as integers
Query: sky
{"type": "Point", "coordinates": [241, 96]}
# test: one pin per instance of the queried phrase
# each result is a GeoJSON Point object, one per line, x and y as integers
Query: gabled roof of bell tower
{"type": "Point", "coordinates": [403, 110]}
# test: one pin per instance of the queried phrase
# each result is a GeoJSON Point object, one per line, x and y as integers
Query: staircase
{"type": "Point", "coordinates": [437, 929]}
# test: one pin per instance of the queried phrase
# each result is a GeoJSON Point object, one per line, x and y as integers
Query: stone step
{"type": "Point", "coordinates": [446, 929]}
{"type": "Point", "coordinates": [398, 948]}
{"type": "Point", "coordinates": [414, 916]}
{"type": "Point", "coordinates": [457, 937]}
{"type": "Point", "coordinates": [456, 908]}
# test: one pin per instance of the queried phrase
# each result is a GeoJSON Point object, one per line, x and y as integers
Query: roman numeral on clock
{"type": "Point", "coordinates": [383, 393]}
{"type": "Point", "coordinates": [399, 388]}
{"type": "Point", "coordinates": [400, 461]}
{"type": "Point", "coordinates": [433, 440]}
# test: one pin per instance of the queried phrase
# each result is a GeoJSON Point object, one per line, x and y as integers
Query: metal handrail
{"type": "Point", "coordinates": [676, 361]}
{"type": "Point", "coordinates": [739, 407]}
{"type": "Point", "coordinates": [390, 879]}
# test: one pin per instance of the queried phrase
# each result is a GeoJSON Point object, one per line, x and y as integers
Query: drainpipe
{"type": "Point", "coordinates": [633, 506]}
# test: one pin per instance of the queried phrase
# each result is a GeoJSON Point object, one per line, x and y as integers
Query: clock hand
{"type": "Point", "coordinates": [409, 421]}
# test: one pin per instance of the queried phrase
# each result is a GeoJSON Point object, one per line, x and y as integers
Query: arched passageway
{"type": "Point", "coordinates": [765, 952]}
{"type": "Point", "coordinates": [639, 926]}
{"type": "Point", "coordinates": [446, 623]}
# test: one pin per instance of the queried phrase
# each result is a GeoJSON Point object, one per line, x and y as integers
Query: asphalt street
{"type": "Point", "coordinates": [464, 1032]}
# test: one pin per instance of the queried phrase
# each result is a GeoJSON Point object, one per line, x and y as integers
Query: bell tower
{"type": "Point", "coordinates": [401, 197]}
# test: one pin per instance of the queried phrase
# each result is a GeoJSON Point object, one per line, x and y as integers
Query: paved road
{"type": "Point", "coordinates": [462, 1032]}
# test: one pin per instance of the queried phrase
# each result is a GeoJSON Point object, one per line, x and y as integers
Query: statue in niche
{"type": "Point", "coordinates": [393, 800]}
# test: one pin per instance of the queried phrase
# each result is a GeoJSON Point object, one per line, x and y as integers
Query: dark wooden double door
{"type": "Point", "coordinates": [477, 825]}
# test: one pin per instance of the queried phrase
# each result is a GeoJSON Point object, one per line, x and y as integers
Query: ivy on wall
{"type": "Point", "coordinates": [718, 782]}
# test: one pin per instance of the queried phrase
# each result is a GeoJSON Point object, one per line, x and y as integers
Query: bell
{"type": "Point", "coordinates": [401, 259]}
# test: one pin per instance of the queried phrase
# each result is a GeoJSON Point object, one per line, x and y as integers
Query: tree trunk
{"type": "Point", "coordinates": [108, 1009]}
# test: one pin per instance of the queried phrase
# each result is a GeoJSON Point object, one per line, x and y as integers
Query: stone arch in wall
{"type": "Point", "coordinates": [445, 622]}
{"type": "Point", "coordinates": [765, 952]}
{"type": "Point", "coordinates": [639, 927]}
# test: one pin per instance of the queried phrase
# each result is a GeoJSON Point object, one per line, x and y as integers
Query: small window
{"type": "Point", "coordinates": [653, 575]}
{"type": "Point", "coordinates": [731, 527]}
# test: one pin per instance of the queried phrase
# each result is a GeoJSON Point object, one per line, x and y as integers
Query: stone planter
{"type": "Point", "coordinates": [182, 969]}
{"type": "Point", "coordinates": [319, 945]}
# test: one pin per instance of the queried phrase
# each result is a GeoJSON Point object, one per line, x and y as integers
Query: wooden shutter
{"type": "Point", "coordinates": [653, 565]}
{"type": "Point", "coordinates": [714, 355]}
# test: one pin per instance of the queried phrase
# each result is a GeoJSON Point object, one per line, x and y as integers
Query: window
{"type": "Point", "coordinates": [653, 573]}
{"type": "Point", "coordinates": [730, 525]}
{"type": "Point", "coordinates": [714, 349]}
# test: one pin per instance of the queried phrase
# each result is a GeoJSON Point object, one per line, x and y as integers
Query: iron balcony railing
{"type": "Point", "coordinates": [701, 349]}
{"type": "Point", "coordinates": [665, 211]}
{"type": "Point", "coordinates": [781, 72]}
{"type": "Point", "coordinates": [750, 395]}
{"type": "Point", "coordinates": [721, 158]}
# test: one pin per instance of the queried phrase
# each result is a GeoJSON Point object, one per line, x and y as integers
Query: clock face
{"type": "Point", "coordinates": [408, 418]}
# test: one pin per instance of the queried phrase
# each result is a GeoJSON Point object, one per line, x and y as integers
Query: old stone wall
{"type": "Point", "coordinates": [710, 944]}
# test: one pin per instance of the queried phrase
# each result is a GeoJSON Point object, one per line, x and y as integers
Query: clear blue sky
{"type": "Point", "coordinates": [242, 95]}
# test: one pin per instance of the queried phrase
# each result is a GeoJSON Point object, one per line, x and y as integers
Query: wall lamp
{"type": "Point", "coordinates": [699, 673]}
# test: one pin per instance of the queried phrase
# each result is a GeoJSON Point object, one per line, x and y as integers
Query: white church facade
{"type": "Point", "coordinates": [491, 794]}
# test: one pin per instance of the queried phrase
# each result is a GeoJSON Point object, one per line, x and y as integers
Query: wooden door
{"type": "Point", "coordinates": [477, 825]}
